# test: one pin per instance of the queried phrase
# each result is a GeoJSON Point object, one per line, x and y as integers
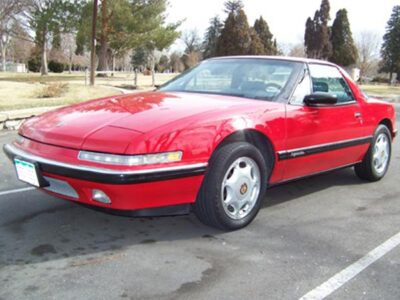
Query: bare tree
{"type": "Point", "coordinates": [368, 45]}
{"type": "Point", "coordinates": [192, 55]}
{"type": "Point", "coordinates": [68, 44]}
{"type": "Point", "coordinates": [192, 41]}
{"type": "Point", "coordinates": [191, 59]}
{"type": "Point", "coordinates": [297, 51]}
{"type": "Point", "coordinates": [176, 63]}
{"type": "Point", "coordinates": [9, 9]}
{"type": "Point", "coordinates": [20, 45]}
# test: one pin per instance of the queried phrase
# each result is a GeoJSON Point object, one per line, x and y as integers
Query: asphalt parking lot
{"type": "Point", "coordinates": [306, 233]}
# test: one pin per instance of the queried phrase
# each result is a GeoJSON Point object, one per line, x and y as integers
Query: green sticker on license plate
{"type": "Point", "coordinates": [26, 172]}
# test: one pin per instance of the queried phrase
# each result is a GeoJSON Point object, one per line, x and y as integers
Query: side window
{"type": "Point", "coordinates": [303, 89]}
{"type": "Point", "coordinates": [328, 79]}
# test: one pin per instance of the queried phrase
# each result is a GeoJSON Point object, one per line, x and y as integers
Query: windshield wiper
{"type": "Point", "coordinates": [210, 93]}
{"type": "Point", "coordinates": [260, 98]}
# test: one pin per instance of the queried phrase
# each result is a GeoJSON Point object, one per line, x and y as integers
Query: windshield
{"type": "Point", "coordinates": [254, 78]}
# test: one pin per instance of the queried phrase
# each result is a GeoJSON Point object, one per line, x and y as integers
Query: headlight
{"type": "Point", "coordinates": [131, 160]}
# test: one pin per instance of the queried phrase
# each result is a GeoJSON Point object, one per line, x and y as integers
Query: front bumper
{"type": "Point", "coordinates": [127, 189]}
{"type": "Point", "coordinates": [103, 175]}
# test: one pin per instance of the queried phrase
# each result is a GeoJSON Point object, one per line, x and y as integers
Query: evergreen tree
{"type": "Point", "coordinates": [256, 45]}
{"type": "Point", "coordinates": [139, 58]}
{"type": "Point", "coordinates": [317, 35]}
{"type": "Point", "coordinates": [211, 37]}
{"type": "Point", "coordinates": [235, 36]}
{"type": "Point", "coordinates": [56, 43]}
{"type": "Point", "coordinates": [124, 25]}
{"type": "Point", "coordinates": [324, 30]}
{"type": "Point", "coordinates": [390, 51]}
{"type": "Point", "coordinates": [344, 51]}
{"type": "Point", "coordinates": [309, 39]}
{"type": "Point", "coordinates": [265, 36]}
{"type": "Point", "coordinates": [233, 6]}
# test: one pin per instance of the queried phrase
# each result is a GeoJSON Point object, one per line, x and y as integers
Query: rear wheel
{"type": "Point", "coordinates": [376, 162]}
{"type": "Point", "coordinates": [233, 188]}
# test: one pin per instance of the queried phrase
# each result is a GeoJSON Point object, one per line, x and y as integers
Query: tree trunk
{"type": "Point", "coordinates": [70, 61]}
{"type": "Point", "coordinates": [3, 55]}
{"type": "Point", "coordinates": [135, 78]}
{"type": "Point", "coordinates": [153, 77]}
{"type": "Point", "coordinates": [43, 69]}
{"type": "Point", "coordinates": [103, 59]}
{"type": "Point", "coordinates": [103, 54]}
{"type": "Point", "coordinates": [113, 63]}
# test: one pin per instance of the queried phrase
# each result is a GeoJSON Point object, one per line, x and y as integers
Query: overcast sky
{"type": "Point", "coordinates": [286, 18]}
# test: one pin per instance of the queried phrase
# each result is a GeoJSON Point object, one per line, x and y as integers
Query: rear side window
{"type": "Point", "coordinates": [328, 79]}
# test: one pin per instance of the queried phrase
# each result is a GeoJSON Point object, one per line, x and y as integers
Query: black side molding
{"type": "Point", "coordinates": [291, 154]}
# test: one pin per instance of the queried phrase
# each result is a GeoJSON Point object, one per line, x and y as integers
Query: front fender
{"type": "Point", "coordinates": [200, 138]}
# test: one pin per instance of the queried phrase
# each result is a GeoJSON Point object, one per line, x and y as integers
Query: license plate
{"type": "Point", "coordinates": [26, 172]}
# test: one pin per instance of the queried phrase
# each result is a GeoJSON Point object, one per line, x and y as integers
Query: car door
{"type": "Point", "coordinates": [324, 137]}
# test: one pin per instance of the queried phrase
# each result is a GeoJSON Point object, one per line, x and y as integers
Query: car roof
{"type": "Point", "coordinates": [286, 58]}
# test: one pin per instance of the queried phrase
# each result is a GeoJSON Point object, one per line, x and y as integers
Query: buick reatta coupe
{"type": "Point", "coordinates": [211, 141]}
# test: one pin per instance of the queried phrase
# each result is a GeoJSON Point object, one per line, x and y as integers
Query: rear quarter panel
{"type": "Point", "coordinates": [374, 111]}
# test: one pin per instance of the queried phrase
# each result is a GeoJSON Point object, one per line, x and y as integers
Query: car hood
{"type": "Point", "coordinates": [109, 124]}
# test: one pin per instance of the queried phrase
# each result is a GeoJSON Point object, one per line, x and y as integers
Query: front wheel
{"type": "Point", "coordinates": [376, 162]}
{"type": "Point", "coordinates": [233, 187]}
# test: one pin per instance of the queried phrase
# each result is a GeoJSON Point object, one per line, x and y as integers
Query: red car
{"type": "Point", "coordinates": [211, 140]}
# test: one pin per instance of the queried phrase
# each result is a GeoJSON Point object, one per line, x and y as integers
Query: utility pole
{"type": "Point", "coordinates": [93, 44]}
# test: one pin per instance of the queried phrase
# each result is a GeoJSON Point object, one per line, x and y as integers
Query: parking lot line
{"type": "Point", "coordinates": [353, 270]}
{"type": "Point", "coordinates": [17, 190]}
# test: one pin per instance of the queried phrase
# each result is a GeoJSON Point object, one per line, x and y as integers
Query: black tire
{"type": "Point", "coordinates": [209, 203]}
{"type": "Point", "coordinates": [366, 169]}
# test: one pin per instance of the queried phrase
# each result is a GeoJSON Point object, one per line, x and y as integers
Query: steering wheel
{"type": "Point", "coordinates": [272, 87]}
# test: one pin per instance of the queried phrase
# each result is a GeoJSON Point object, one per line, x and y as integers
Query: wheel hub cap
{"type": "Point", "coordinates": [381, 153]}
{"type": "Point", "coordinates": [240, 188]}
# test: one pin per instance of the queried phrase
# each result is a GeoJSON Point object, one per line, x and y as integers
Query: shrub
{"type": "Point", "coordinates": [34, 64]}
{"type": "Point", "coordinates": [52, 90]}
{"type": "Point", "coordinates": [56, 67]}
{"type": "Point", "coordinates": [380, 79]}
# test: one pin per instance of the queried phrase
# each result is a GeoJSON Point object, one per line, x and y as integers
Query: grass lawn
{"type": "Point", "coordinates": [18, 95]}
{"type": "Point", "coordinates": [18, 91]}
{"type": "Point", "coordinates": [392, 92]}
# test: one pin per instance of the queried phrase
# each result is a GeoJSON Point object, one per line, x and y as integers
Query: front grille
{"type": "Point", "coordinates": [60, 187]}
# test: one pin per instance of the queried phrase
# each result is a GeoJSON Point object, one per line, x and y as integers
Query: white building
{"type": "Point", "coordinates": [14, 67]}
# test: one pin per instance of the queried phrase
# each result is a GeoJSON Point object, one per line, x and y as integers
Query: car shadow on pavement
{"type": "Point", "coordinates": [65, 230]}
{"type": "Point", "coordinates": [310, 185]}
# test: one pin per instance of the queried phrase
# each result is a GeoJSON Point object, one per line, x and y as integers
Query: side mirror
{"type": "Point", "coordinates": [320, 99]}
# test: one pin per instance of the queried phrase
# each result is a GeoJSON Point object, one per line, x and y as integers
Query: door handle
{"type": "Point", "coordinates": [357, 115]}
